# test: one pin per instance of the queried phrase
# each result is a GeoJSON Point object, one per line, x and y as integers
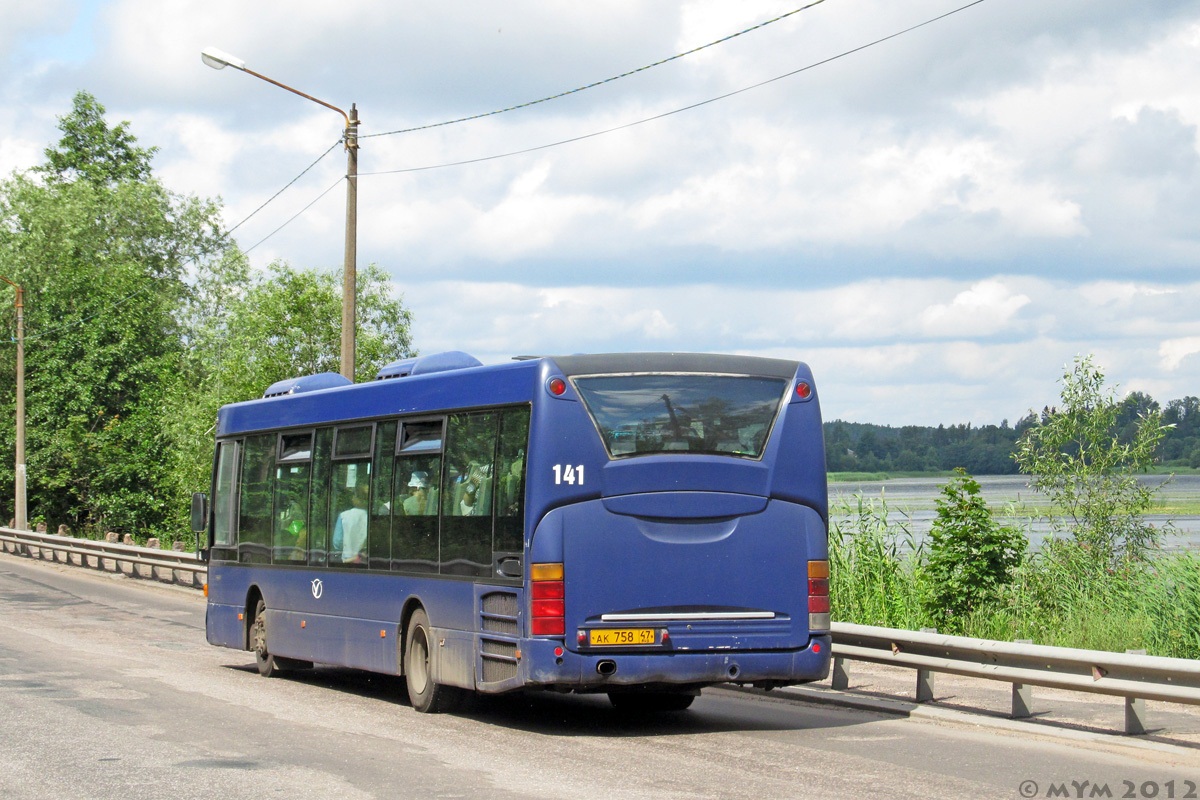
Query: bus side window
{"type": "Point", "coordinates": [320, 523]}
{"type": "Point", "coordinates": [255, 496]}
{"type": "Point", "coordinates": [351, 494]}
{"type": "Point", "coordinates": [466, 541]}
{"type": "Point", "coordinates": [415, 524]}
{"type": "Point", "coordinates": [379, 525]}
{"type": "Point", "coordinates": [292, 490]}
{"type": "Point", "coordinates": [510, 482]}
{"type": "Point", "coordinates": [418, 476]}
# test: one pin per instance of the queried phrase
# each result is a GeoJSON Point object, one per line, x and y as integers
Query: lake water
{"type": "Point", "coordinates": [915, 499]}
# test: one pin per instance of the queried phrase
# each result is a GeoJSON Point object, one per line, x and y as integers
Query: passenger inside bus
{"type": "Point", "coordinates": [353, 526]}
{"type": "Point", "coordinates": [417, 502]}
{"type": "Point", "coordinates": [474, 491]}
{"type": "Point", "coordinates": [512, 487]}
{"type": "Point", "coordinates": [291, 533]}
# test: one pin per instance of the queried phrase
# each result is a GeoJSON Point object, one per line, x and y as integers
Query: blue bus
{"type": "Point", "coordinates": [641, 525]}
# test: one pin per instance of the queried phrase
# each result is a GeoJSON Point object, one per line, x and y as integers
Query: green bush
{"type": "Point", "coordinates": [970, 556]}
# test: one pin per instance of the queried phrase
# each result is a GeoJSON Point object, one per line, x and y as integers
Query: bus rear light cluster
{"type": "Point", "coordinates": [547, 613]}
{"type": "Point", "coordinates": [818, 595]}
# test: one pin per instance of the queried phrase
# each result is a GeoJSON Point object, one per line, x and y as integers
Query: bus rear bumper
{"type": "Point", "coordinates": [600, 671]}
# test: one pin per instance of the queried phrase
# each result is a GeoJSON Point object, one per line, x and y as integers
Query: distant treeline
{"type": "Point", "coordinates": [987, 450]}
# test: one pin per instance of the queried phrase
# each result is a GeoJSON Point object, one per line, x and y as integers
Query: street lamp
{"type": "Point", "coordinates": [219, 60]}
{"type": "Point", "coordinates": [22, 519]}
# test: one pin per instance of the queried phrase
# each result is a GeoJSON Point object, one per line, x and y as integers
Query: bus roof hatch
{"type": "Point", "coordinates": [306, 383]}
{"type": "Point", "coordinates": [423, 365]}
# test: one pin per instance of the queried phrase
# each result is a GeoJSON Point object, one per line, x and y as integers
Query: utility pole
{"type": "Point", "coordinates": [350, 267]}
{"type": "Point", "coordinates": [22, 517]}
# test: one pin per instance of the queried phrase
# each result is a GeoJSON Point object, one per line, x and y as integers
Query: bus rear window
{"type": "Point", "coordinates": [715, 414]}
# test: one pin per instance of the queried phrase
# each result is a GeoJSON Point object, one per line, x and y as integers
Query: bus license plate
{"type": "Point", "coordinates": [622, 637]}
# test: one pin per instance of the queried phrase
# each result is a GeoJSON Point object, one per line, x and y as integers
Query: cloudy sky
{"type": "Point", "coordinates": [937, 223]}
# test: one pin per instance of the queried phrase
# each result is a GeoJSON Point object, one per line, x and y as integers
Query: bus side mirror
{"type": "Point", "coordinates": [199, 512]}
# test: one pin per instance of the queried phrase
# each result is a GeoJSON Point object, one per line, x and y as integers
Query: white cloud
{"type": "Point", "coordinates": [986, 308]}
{"type": "Point", "coordinates": [1174, 351]}
{"type": "Point", "coordinates": [938, 224]}
{"type": "Point", "coordinates": [529, 219]}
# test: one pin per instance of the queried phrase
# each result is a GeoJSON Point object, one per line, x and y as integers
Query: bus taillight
{"type": "Point", "coordinates": [818, 595]}
{"type": "Point", "coordinates": [546, 606]}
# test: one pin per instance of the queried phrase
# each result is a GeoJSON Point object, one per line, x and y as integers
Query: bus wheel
{"type": "Point", "coordinates": [650, 702]}
{"type": "Point", "coordinates": [267, 666]}
{"type": "Point", "coordinates": [426, 695]}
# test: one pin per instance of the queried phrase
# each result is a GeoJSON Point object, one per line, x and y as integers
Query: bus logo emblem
{"type": "Point", "coordinates": [318, 588]}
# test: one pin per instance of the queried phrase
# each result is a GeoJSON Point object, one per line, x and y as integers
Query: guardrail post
{"type": "Point", "coordinates": [1135, 708]}
{"type": "Point", "coordinates": [925, 678]}
{"type": "Point", "coordinates": [841, 675]}
{"type": "Point", "coordinates": [114, 538]}
{"type": "Point", "coordinates": [1022, 694]}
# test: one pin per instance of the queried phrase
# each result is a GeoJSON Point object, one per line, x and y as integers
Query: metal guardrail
{"type": "Point", "coordinates": [1134, 677]}
{"type": "Point", "coordinates": [168, 566]}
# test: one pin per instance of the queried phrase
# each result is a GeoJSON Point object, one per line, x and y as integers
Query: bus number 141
{"type": "Point", "coordinates": [565, 473]}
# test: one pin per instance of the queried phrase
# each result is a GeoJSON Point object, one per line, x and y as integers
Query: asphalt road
{"type": "Point", "coordinates": [108, 690]}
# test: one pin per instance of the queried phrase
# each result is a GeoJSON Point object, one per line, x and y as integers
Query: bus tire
{"type": "Point", "coordinates": [651, 702]}
{"type": "Point", "coordinates": [425, 694]}
{"type": "Point", "coordinates": [268, 667]}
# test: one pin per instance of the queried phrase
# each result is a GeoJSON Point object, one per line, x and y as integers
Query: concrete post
{"type": "Point", "coordinates": [925, 678]}
{"type": "Point", "coordinates": [840, 675]}
{"type": "Point", "coordinates": [1135, 708]}
{"type": "Point", "coordinates": [1022, 694]}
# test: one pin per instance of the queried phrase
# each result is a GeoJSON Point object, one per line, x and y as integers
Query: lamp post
{"type": "Point", "coordinates": [219, 60]}
{"type": "Point", "coordinates": [22, 519]}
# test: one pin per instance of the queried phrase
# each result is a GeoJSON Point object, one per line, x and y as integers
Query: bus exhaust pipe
{"type": "Point", "coordinates": [606, 667]}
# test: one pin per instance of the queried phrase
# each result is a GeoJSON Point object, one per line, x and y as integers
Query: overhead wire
{"type": "Point", "coordinates": [270, 199]}
{"type": "Point", "coordinates": [690, 107]}
{"type": "Point", "coordinates": [594, 84]}
{"type": "Point", "coordinates": [292, 218]}
{"type": "Point", "coordinates": [557, 96]}
{"type": "Point", "coordinates": [626, 125]}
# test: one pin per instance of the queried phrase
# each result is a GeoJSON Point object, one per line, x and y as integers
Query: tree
{"type": "Point", "coordinates": [971, 556]}
{"type": "Point", "coordinates": [142, 319]}
{"type": "Point", "coordinates": [102, 251]}
{"type": "Point", "coordinates": [1076, 456]}
{"type": "Point", "coordinates": [92, 151]}
{"type": "Point", "coordinates": [1182, 446]}
{"type": "Point", "coordinates": [248, 331]}
{"type": "Point", "coordinates": [288, 323]}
